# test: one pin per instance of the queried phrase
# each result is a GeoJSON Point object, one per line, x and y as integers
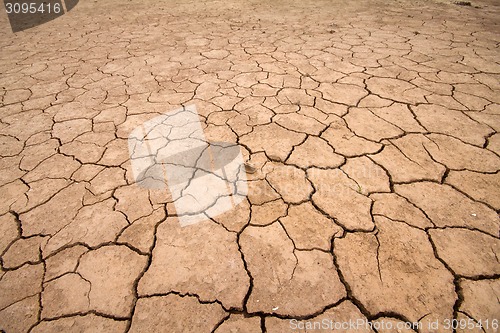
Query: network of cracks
{"type": "Point", "coordinates": [369, 149]}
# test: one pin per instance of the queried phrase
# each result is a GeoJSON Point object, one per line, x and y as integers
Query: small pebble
{"type": "Point", "coordinates": [250, 168]}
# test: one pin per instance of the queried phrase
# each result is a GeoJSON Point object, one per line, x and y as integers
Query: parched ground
{"type": "Point", "coordinates": [370, 130]}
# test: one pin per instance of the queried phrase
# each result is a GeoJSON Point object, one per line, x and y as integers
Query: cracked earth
{"type": "Point", "coordinates": [370, 135]}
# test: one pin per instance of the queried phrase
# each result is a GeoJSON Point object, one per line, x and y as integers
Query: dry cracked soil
{"type": "Point", "coordinates": [370, 135]}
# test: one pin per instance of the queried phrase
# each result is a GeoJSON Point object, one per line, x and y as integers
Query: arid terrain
{"type": "Point", "coordinates": [369, 131]}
